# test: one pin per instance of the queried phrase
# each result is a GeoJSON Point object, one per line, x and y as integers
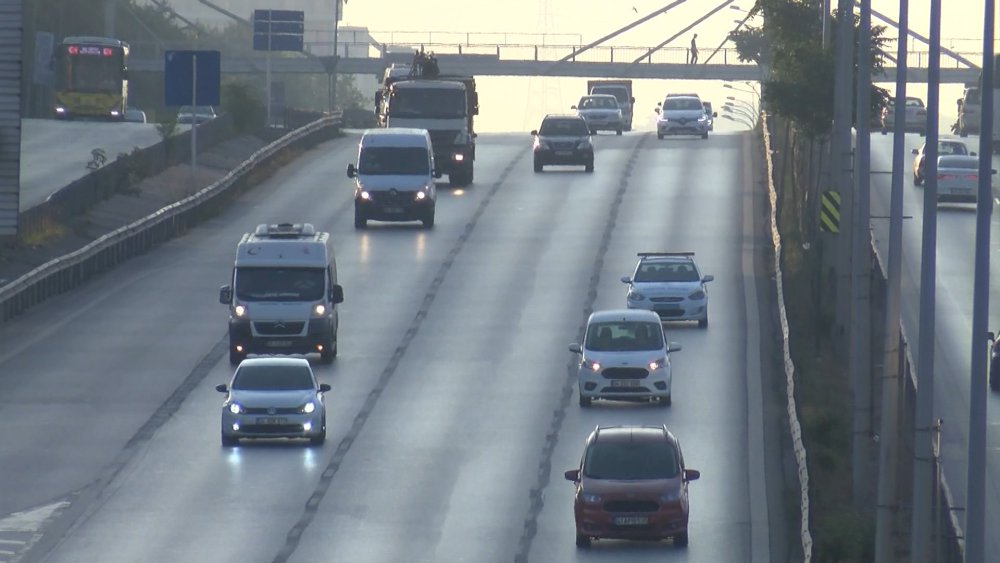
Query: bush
{"type": "Point", "coordinates": [247, 111]}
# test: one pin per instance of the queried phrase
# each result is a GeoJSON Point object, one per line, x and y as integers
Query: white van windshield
{"type": "Point", "coordinates": [393, 160]}
{"type": "Point", "coordinates": [280, 284]}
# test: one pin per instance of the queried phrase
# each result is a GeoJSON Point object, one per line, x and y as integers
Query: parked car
{"type": "Point", "coordinates": [946, 147]}
{"type": "Point", "coordinates": [631, 484]}
{"type": "Point", "coordinates": [195, 114]}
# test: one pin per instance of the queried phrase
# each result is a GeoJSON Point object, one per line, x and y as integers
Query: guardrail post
{"type": "Point", "coordinates": [459, 48]}
{"type": "Point", "coordinates": [536, 53]}
{"type": "Point", "coordinates": [498, 51]}
{"type": "Point", "coordinates": [612, 54]}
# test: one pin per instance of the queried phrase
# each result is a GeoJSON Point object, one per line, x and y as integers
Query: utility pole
{"type": "Point", "coordinates": [841, 160]}
{"type": "Point", "coordinates": [923, 441]}
{"type": "Point", "coordinates": [336, 55]}
{"type": "Point", "coordinates": [888, 455]}
{"type": "Point", "coordinates": [825, 6]}
{"type": "Point", "coordinates": [859, 357]}
{"type": "Point", "coordinates": [975, 498]}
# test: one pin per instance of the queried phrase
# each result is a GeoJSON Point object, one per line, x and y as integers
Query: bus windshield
{"type": "Point", "coordinates": [86, 68]}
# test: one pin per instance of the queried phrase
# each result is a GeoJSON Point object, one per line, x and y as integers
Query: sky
{"type": "Point", "coordinates": [513, 103]}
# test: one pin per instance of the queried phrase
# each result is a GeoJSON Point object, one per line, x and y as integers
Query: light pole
{"type": "Point", "coordinates": [748, 105]}
{"type": "Point", "coordinates": [739, 120]}
{"type": "Point", "coordinates": [739, 111]}
{"type": "Point", "coordinates": [751, 90]}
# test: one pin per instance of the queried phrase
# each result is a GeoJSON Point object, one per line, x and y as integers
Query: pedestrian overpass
{"type": "Point", "coordinates": [546, 60]}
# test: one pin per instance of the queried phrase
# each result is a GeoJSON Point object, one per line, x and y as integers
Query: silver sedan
{"type": "Point", "coordinates": [273, 398]}
{"type": "Point", "coordinates": [958, 179]}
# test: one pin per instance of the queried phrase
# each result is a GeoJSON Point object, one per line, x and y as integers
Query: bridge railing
{"type": "Point", "coordinates": [517, 47]}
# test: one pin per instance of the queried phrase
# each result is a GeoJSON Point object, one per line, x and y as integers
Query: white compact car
{"type": "Point", "coordinates": [273, 398]}
{"type": "Point", "coordinates": [669, 284]}
{"type": "Point", "coordinates": [624, 356]}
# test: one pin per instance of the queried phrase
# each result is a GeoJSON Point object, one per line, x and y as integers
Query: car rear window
{"type": "Point", "coordinates": [666, 272]}
{"type": "Point", "coordinates": [957, 162]}
{"type": "Point", "coordinates": [273, 378]}
{"type": "Point", "coordinates": [624, 336]}
{"type": "Point", "coordinates": [629, 460]}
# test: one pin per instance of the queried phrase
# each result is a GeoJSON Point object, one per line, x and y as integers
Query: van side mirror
{"type": "Point", "coordinates": [707, 278]}
{"type": "Point", "coordinates": [572, 475]}
{"type": "Point", "coordinates": [336, 294]}
{"type": "Point", "coordinates": [572, 107]}
{"type": "Point", "coordinates": [914, 151]}
{"type": "Point", "coordinates": [222, 388]}
{"type": "Point", "coordinates": [351, 170]}
{"type": "Point", "coordinates": [674, 347]}
{"type": "Point", "coordinates": [436, 173]}
{"type": "Point", "coordinates": [626, 279]}
{"type": "Point", "coordinates": [475, 103]}
{"type": "Point", "coordinates": [575, 348]}
{"type": "Point", "coordinates": [631, 100]}
{"type": "Point", "coordinates": [225, 295]}
{"type": "Point", "coordinates": [534, 132]}
{"type": "Point", "coordinates": [692, 474]}
{"type": "Point", "coordinates": [715, 114]}
{"type": "Point", "coordinates": [972, 153]}
{"type": "Point", "coordinates": [324, 387]}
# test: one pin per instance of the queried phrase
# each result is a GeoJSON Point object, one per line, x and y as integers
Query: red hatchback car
{"type": "Point", "coordinates": [632, 484]}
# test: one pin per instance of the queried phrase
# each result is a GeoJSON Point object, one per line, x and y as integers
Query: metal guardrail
{"type": "Point", "coordinates": [74, 269]}
{"type": "Point", "coordinates": [793, 417]}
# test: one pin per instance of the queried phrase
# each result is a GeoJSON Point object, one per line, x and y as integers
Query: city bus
{"type": "Point", "coordinates": [91, 78]}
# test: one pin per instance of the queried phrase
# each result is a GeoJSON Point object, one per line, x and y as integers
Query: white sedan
{"type": "Point", "coordinates": [958, 179]}
{"type": "Point", "coordinates": [669, 284]}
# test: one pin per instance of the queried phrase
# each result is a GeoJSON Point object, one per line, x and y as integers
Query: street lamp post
{"type": "Point", "coordinates": [739, 111]}
{"type": "Point", "coordinates": [739, 120]}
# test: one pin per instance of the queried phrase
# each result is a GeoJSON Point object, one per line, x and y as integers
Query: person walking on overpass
{"type": "Point", "coordinates": [694, 50]}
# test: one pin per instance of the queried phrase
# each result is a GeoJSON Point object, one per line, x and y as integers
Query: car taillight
{"type": "Point", "coordinates": [945, 177]}
{"type": "Point", "coordinates": [972, 177]}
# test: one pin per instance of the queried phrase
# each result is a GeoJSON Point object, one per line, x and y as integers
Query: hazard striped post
{"type": "Point", "coordinates": [829, 212]}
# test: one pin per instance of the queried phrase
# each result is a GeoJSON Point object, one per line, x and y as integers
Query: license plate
{"type": "Point", "coordinates": [625, 383]}
{"type": "Point", "coordinates": [393, 209]}
{"type": "Point", "coordinates": [279, 343]}
{"type": "Point", "coordinates": [564, 153]}
{"type": "Point", "coordinates": [631, 520]}
{"type": "Point", "coordinates": [270, 420]}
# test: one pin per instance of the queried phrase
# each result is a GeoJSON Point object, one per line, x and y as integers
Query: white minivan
{"type": "Point", "coordinates": [394, 177]}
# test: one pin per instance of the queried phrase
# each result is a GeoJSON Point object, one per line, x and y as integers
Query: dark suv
{"type": "Point", "coordinates": [563, 139]}
{"type": "Point", "coordinates": [632, 484]}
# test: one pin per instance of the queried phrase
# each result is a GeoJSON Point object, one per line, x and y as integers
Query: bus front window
{"type": "Point", "coordinates": [87, 73]}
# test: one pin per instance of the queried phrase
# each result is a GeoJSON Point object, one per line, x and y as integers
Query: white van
{"type": "Point", "coordinates": [394, 177]}
{"type": "Point", "coordinates": [283, 293]}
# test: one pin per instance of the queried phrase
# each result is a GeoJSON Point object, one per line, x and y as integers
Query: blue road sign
{"type": "Point", "coordinates": [179, 76]}
{"type": "Point", "coordinates": [278, 30]}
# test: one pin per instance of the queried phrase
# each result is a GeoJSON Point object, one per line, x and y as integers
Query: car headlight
{"type": "Point", "coordinates": [235, 408]}
{"type": "Point", "coordinates": [240, 311]}
{"type": "Point", "coordinates": [308, 408]}
{"type": "Point", "coordinates": [703, 118]}
{"type": "Point", "coordinates": [585, 145]}
{"type": "Point", "coordinates": [697, 295]}
{"type": "Point", "coordinates": [657, 364]}
{"type": "Point", "coordinates": [541, 145]}
{"type": "Point", "coordinates": [671, 496]}
{"type": "Point", "coordinates": [592, 366]}
{"type": "Point", "coordinates": [635, 295]}
{"type": "Point", "coordinates": [366, 196]}
{"type": "Point", "coordinates": [590, 498]}
{"type": "Point", "coordinates": [421, 195]}
{"type": "Point", "coordinates": [319, 310]}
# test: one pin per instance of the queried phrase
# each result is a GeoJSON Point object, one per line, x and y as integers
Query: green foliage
{"type": "Point", "coordinates": [844, 537]}
{"type": "Point", "coordinates": [242, 102]}
{"type": "Point", "coordinates": [800, 83]}
{"type": "Point", "coordinates": [348, 95]}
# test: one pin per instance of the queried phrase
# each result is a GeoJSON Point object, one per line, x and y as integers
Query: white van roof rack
{"type": "Point", "coordinates": [285, 230]}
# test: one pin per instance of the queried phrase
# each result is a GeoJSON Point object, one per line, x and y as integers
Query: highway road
{"type": "Point", "coordinates": [55, 153]}
{"type": "Point", "coordinates": [453, 413]}
{"type": "Point", "coordinates": [956, 232]}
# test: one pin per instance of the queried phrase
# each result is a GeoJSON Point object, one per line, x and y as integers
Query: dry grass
{"type": "Point", "coordinates": [841, 534]}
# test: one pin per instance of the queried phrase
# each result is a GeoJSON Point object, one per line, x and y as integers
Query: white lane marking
{"type": "Point", "coordinates": [15, 542]}
{"type": "Point", "coordinates": [31, 520]}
